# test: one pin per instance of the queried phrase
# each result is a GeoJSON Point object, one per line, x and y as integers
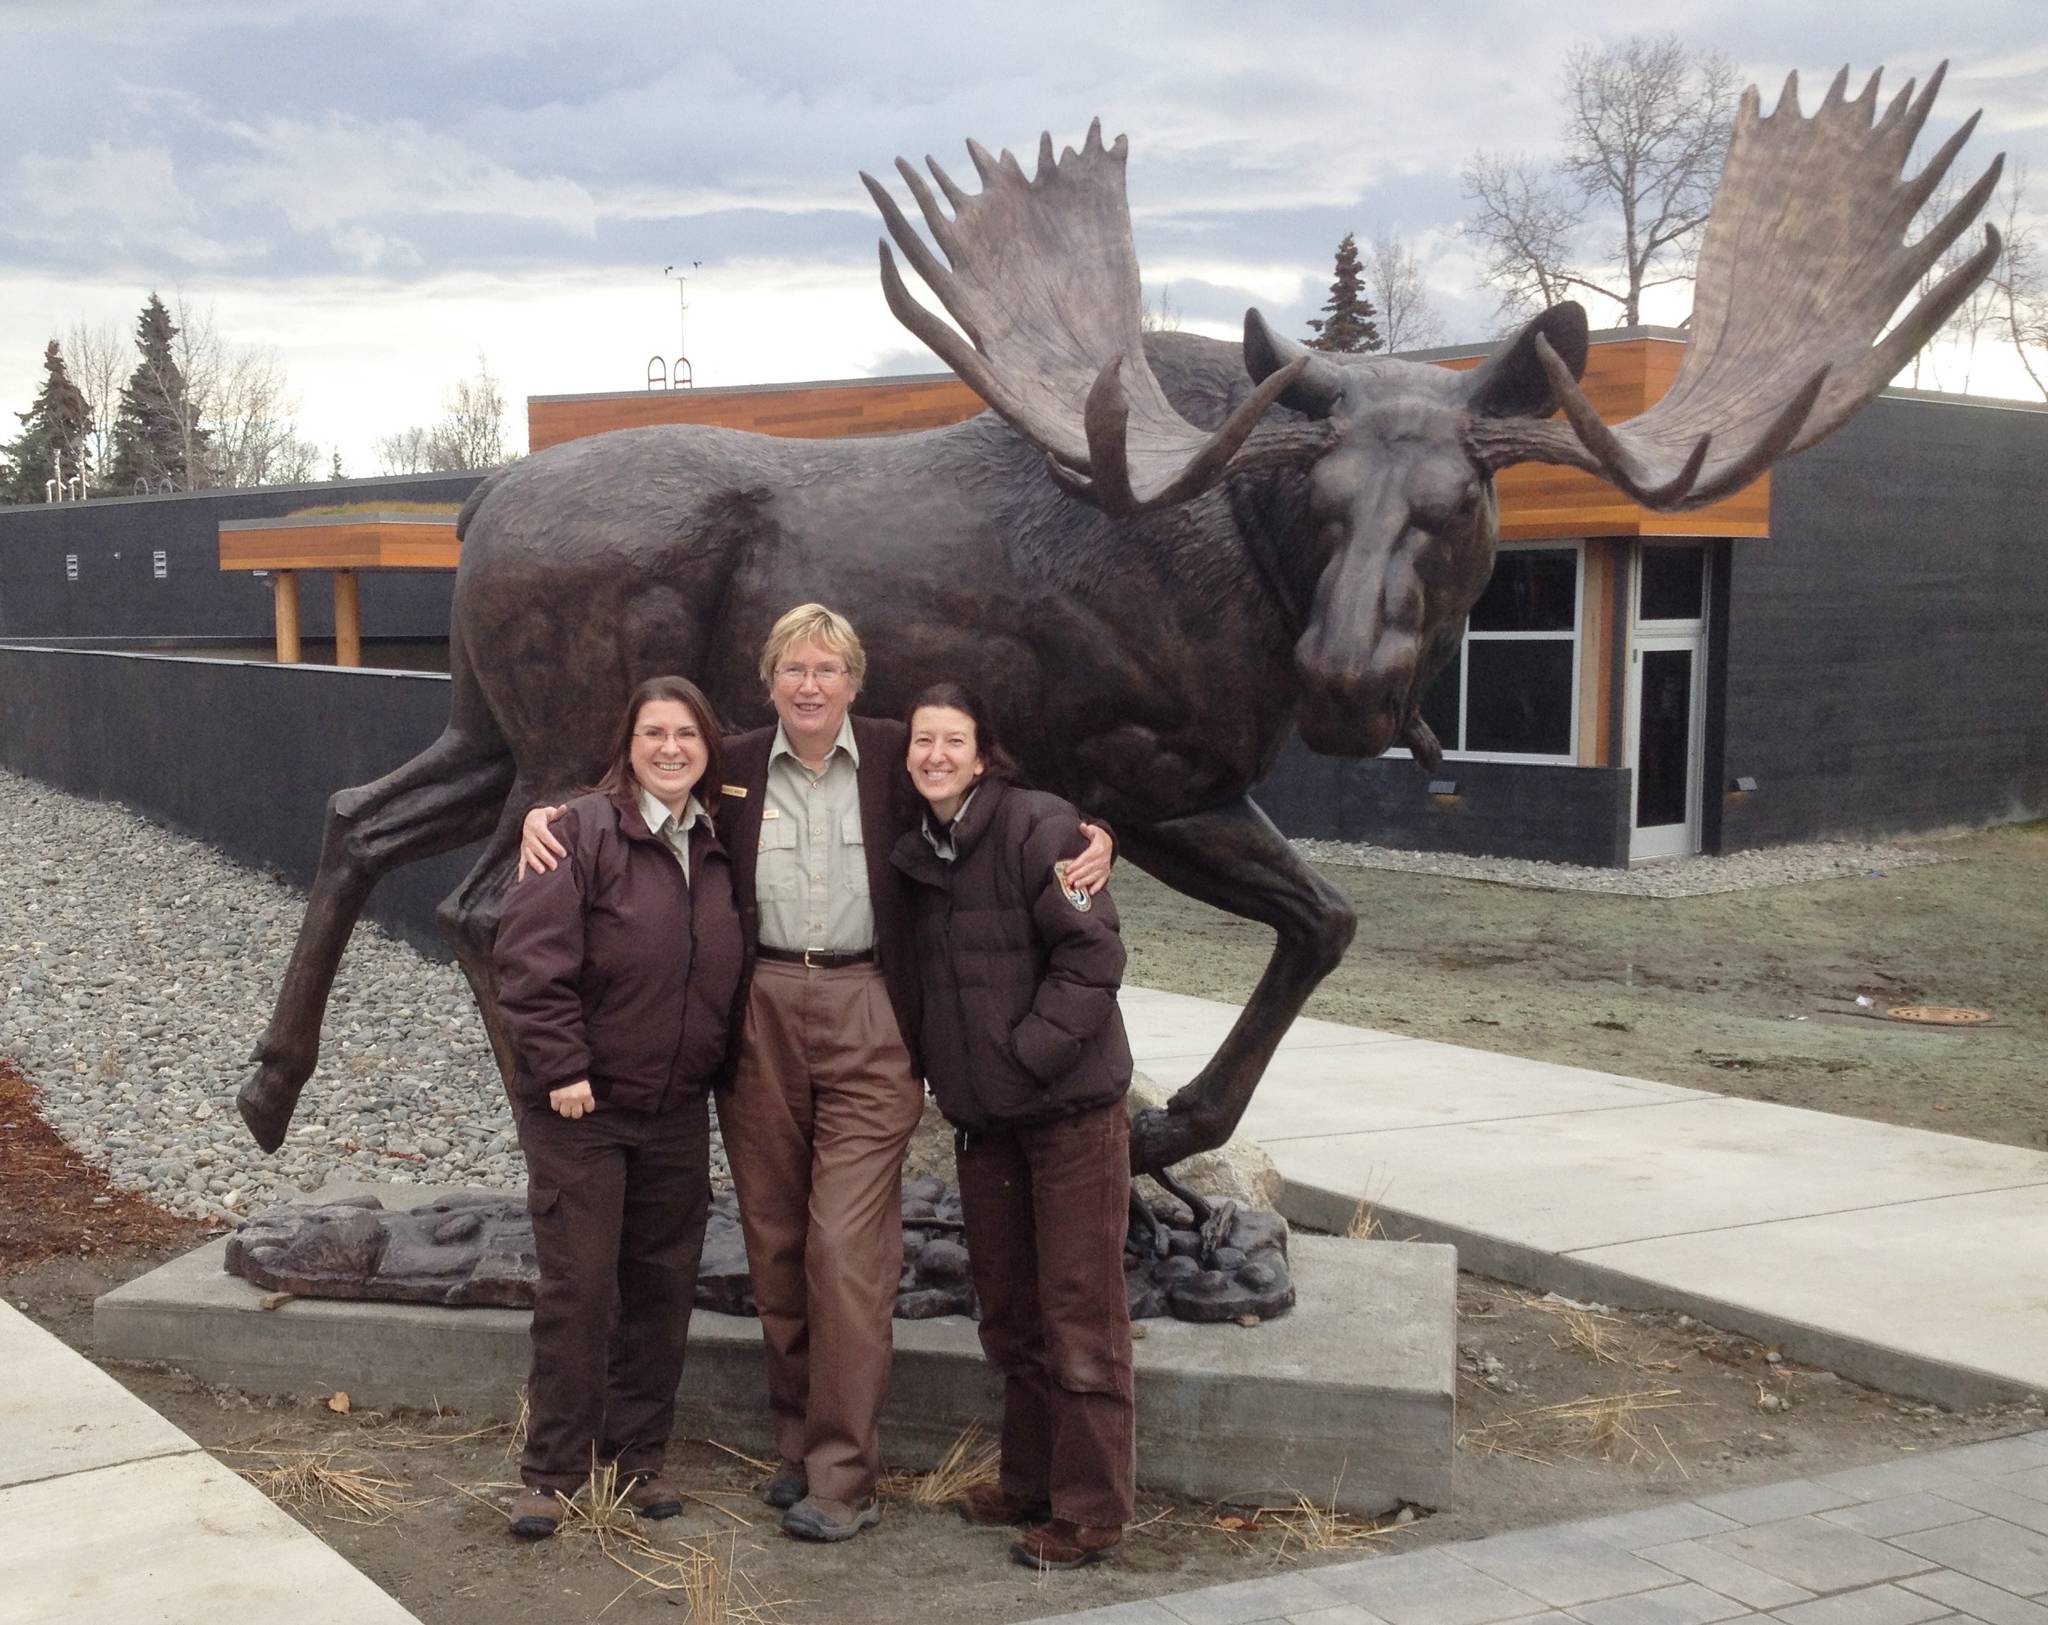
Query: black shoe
{"type": "Point", "coordinates": [789, 1486]}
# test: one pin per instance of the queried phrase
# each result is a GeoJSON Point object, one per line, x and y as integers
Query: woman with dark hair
{"type": "Point", "coordinates": [618, 972]}
{"type": "Point", "coordinates": [1026, 1054]}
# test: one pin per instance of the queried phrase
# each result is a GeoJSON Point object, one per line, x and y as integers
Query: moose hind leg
{"type": "Point", "coordinates": [445, 797]}
{"type": "Point", "coordinates": [1233, 858]}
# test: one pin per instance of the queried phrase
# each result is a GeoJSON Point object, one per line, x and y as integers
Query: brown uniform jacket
{"type": "Point", "coordinates": [1020, 983]}
{"type": "Point", "coordinates": [888, 807]}
{"type": "Point", "coordinates": [614, 968]}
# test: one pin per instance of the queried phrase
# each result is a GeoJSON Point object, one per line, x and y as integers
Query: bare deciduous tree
{"type": "Point", "coordinates": [100, 359]}
{"type": "Point", "coordinates": [1527, 223]}
{"type": "Point", "coordinates": [1393, 283]}
{"type": "Point", "coordinates": [251, 413]}
{"type": "Point", "coordinates": [1620, 212]}
{"type": "Point", "coordinates": [471, 433]}
{"type": "Point", "coordinates": [1160, 314]}
{"type": "Point", "coordinates": [405, 452]}
{"type": "Point", "coordinates": [2022, 283]}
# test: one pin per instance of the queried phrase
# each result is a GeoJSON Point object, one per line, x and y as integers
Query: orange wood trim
{"type": "Point", "coordinates": [801, 411]}
{"type": "Point", "coordinates": [348, 620]}
{"type": "Point", "coordinates": [345, 545]}
{"type": "Point", "coordinates": [284, 604]}
{"type": "Point", "coordinates": [1596, 656]}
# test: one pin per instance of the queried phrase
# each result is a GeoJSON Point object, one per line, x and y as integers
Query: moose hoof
{"type": "Point", "coordinates": [1161, 1137]}
{"type": "Point", "coordinates": [266, 1103]}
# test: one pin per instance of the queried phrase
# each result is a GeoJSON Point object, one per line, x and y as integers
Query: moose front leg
{"type": "Point", "coordinates": [1233, 858]}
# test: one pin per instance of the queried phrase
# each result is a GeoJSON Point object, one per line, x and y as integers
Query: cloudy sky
{"type": "Point", "coordinates": [384, 191]}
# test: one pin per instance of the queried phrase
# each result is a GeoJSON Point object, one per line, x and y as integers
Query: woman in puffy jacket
{"type": "Point", "coordinates": [618, 973]}
{"type": "Point", "coordinates": [1026, 1055]}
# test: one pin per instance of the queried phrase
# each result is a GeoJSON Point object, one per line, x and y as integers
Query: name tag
{"type": "Point", "coordinates": [770, 812]}
{"type": "Point", "coordinates": [738, 790]}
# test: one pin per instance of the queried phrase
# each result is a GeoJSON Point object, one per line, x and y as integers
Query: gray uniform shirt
{"type": "Point", "coordinates": [675, 831]}
{"type": "Point", "coordinates": [811, 871]}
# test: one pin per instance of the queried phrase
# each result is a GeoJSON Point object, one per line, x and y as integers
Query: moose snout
{"type": "Point", "coordinates": [1356, 709]}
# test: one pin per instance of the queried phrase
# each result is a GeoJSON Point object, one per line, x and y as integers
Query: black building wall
{"type": "Point", "coordinates": [117, 598]}
{"type": "Point", "coordinates": [1501, 809]}
{"type": "Point", "coordinates": [1887, 648]}
{"type": "Point", "coordinates": [176, 739]}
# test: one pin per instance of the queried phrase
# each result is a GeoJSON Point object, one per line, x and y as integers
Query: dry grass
{"type": "Point", "coordinates": [1307, 1526]}
{"type": "Point", "coordinates": [515, 1438]}
{"type": "Point", "coordinates": [1605, 1426]}
{"type": "Point", "coordinates": [344, 510]}
{"type": "Point", "coordinates": [1365, 1223]}
{"type": "Point", "coordinates": [704, 1573]}
{"type": "Point", "coordinates": [705, 1577]}
{"type": "Point", "coordinates": [336, 1481]}
{"type": "Point", "coordinates": [970, 1463]}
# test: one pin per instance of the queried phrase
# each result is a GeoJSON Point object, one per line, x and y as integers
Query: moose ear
{"type": "Point", "coordinates": [1511, 382]}
{"type": "Point", "coordinates": [1321, 383]}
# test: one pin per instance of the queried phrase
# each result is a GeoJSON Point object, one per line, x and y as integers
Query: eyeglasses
{"type": "Point", "coordinates": [661, 736]}
{"type": "Point", "coordinates": [823, 676]}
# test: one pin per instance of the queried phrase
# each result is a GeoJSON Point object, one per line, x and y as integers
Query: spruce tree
{"type": "Point", "coordinates": [156, 436]}
{"type": "Point", "coordinates": [53, 434]}
{"type": "Point", "coordinates": [1346, 325]}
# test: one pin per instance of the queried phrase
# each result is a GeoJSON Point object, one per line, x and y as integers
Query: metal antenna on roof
{"type": "Point", "coordinates": [681, 376]}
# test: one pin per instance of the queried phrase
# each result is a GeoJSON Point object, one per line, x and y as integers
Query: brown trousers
{"type": "Point", "coordinates": [815, 1124]}
{"type": "Point", "coordinates": [619, 1199]}
{"type": "Point", "coordinates": [1046, 1209]}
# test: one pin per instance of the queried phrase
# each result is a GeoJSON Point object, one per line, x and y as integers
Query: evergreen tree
{"type": "Point", "coordinates": [1346, 325]}
{"type": "Point", "coordinates": [157, 435]}
{"type": "Point", "coordinates": [53, 435]}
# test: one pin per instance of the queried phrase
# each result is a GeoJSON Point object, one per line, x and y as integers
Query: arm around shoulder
{"type": "Point", "coordinates": [1084, 952]}
{"type": "Point", "coordinates": [539, 952]}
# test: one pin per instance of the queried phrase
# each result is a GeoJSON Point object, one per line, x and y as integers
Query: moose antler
{"type": "Point", "coordinates": [1044, 282]}
{"type": "Point", "coordinates": [1804, 262]}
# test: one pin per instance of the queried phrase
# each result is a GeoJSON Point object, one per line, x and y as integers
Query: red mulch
{"type": "Point", "coordinates": [53, 1203]}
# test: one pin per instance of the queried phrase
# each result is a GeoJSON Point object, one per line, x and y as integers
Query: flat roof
{"type": "Point", "coordinates": [1447, 352]}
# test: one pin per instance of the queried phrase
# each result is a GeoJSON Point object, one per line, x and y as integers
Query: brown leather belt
{"type": "Point", "coordinates": [814, 958]}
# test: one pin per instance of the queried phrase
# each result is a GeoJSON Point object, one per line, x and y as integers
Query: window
{"type": "Point", "coordinates": [1512, 689]}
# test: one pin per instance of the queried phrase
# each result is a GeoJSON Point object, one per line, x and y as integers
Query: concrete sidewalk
{"type": "Point", "coordinates": [1904, 1259]}
{"type": "Point", "coordinates": [111, 1513]}
{"type": "Point", "coordinates": [1950, 1537]}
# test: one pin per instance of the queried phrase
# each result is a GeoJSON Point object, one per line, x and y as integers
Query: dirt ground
{"type": "Point", "coordinates": [1564, 1411]}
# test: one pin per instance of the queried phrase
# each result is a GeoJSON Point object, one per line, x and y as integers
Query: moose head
{"type": "Point", "coordinates": [1803, 265]}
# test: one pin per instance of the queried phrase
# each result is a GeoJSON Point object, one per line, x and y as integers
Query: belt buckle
{"type": "Point", "coordinates": [807, 960]}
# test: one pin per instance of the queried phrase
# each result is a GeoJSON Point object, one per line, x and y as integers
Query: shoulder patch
{"type": "Point", "coordinates": [1073, 894]}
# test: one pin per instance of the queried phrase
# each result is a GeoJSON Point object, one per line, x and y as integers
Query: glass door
{"type": "Point", "coordinates": [1666, 699]}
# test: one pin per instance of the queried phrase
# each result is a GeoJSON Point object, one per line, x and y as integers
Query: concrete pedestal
{"type": "Point", "coordinates": [1348, 1397]}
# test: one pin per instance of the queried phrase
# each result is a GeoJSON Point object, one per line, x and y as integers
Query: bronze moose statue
{"type": "Point", "coordinates": [1157, 556]}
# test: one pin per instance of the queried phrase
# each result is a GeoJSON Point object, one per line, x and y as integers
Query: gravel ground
{"type": "Point", "coordinates": [1679, 877]}
{"type": "Point", "coordinates": [138, 967]}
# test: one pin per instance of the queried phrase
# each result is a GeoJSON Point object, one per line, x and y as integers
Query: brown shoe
{"type": "Point", "coordinates": [654, 1497]}
{"type": "Point", "coordinates": [535, 1514]}
{"type": "Point", "coordinates": [992, 1505]}
{"type": "Point", "coordinates": [1057, 1544]}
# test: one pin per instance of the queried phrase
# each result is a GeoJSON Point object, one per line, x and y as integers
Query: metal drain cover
{"type": "Point", "coordinates": [1938, 1015]}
